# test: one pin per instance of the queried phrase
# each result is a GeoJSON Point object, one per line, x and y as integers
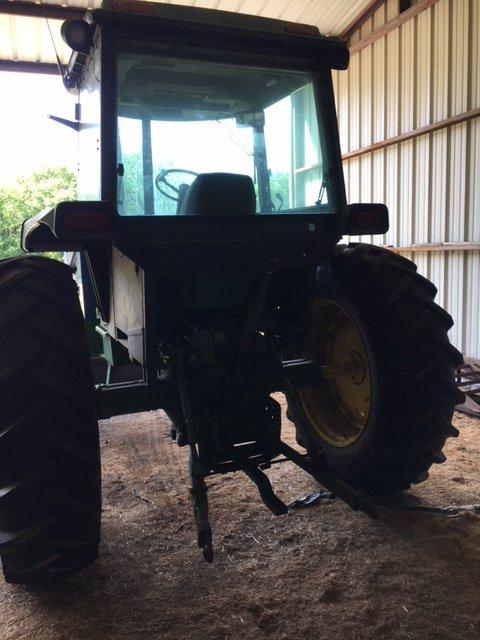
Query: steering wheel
{"type": "Point", "coordinates": [161, 179]}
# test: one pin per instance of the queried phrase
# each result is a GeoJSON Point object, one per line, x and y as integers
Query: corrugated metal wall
{"type": "Point", "coordinates": [422, 72]}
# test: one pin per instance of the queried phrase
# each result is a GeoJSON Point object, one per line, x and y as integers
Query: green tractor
{"type": "Point", "coordinates": [211, 202]}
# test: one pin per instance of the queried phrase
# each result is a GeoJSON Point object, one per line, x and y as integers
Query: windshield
{"type": "Point", "coordinates": [180, 118]}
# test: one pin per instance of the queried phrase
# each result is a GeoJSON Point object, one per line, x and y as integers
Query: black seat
{"type": "Point", "coordinates": [220, 194]}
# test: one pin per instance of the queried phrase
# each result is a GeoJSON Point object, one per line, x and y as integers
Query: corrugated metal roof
{"type": "Point", "coordinates": [28, 39]}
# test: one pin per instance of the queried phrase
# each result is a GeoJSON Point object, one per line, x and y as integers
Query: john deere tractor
{"type": "Point", "coordinates": [205, 237]}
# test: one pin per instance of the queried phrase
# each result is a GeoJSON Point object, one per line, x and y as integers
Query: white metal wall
{"type": "Point", "coordinates": [422, 72]}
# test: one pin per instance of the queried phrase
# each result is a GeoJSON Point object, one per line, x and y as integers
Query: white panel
{"type": "Point", "coordinates": [355, 38]}
{"type": "Point", "coordinates": [378, 90]}
{"type": "Point", "coordinates": [457, 181]}
{"type": "Point", "coordinates": [421, 260]}
{"type": "Point", "coordinates": [366, 92]}
{"type": "Point", "coordinates": [440, 54]}
{"type": "Point", "coordinates": [407, 123]}
{"type": "Point", "coordinates": [366, 28]}
{"type": "Point", "coordinates": [421, 208]}
{"type": "Point", "coordinates": [438, 179]}
{"type": "Point", "coordinates": [438, 276]}
{"type": "Point", "coordinates": [421, 190]}
{"type": "Point", "coordinates": [392, 81]}
{"type": "Point", "coordinates": [354, 95]}
{"type": "Point", "coordinates": [454, 303]}
{"type": "Point", "coordinates": [392, 193]}
{"type": "Point", "coordinates": [459, 56]}
{"type": "Point", "coordinates": [423, 68]}
{"type": "Point", "coordinates": [406, 72]}
{"type": "Point", "coordinates": [392, 9]}
{"type": "Point", "coordinates": [354, 180]}
{"type": "Point", "coordinates": [473, 231]}
{"type": "Point", "coordinates": [343, 110]}
{"type": "Point", "coordinates": [475, 53]}
{"type": "Point", "coordinates": [472, 331]}
{"type": "Point", "coordinates": [378, 185]}
{"type": "Point", "coordinates": [406, 188]}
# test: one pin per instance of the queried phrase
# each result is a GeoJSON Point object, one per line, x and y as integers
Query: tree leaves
{"type": "Point", "coordinates": [31, 195]}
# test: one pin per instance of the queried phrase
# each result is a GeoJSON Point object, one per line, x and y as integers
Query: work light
{"type": "Point", "coordinates": [77, 34]}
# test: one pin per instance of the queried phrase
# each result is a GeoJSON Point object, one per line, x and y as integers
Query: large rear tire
{"type": "Point", "coordinates": [381, 418]}
{"type": "Point", "coordinates": [50, 497]}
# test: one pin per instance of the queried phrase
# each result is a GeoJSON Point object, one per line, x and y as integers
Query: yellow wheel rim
{"type": "Point", "coordinates": [338, 407]}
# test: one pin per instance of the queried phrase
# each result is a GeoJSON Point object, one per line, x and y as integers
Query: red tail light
{"type": "Point", "coordinates": [86, 221]}
{"type": "Point", "coordinates": [366, 218]}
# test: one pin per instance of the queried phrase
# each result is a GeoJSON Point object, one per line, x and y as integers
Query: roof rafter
{"type": "Point", "coordinates": [34, 10]}
{"type": "Point", "coordinates": [29, 67]}
{"type": "Point", "coordinates": [361, 19]}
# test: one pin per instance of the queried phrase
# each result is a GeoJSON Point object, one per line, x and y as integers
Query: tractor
{"type": "Point", "coordinates": [208, 278]}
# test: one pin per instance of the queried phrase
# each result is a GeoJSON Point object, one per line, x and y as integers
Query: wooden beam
{"type": "Point", "coordinates": [34, 10]}
{"type": "Point", "coordinates": [396, 22]}
{"type": "Point", "coordinates": [421, 131]}
{"type": "Point", "coordinates": [29, 67]}
{"type": "Point", "coordinates": [436, 246]}
{"type": "Point", "coordinates": [367, 13]}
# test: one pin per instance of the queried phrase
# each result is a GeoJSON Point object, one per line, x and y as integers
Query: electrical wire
{"type": "Point", "coordinates": [59, 64]}
{"type": "Point", "coordinates": [234, 139]}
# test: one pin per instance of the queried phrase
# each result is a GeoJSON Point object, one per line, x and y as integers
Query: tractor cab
{"type": "Point", "coordinates": [198, 92]}
{"type": "Point", "coordinates": [185, 115]}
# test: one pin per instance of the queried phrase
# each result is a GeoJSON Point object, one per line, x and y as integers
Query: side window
{"type": "Point", "coordinates": [306, 154]}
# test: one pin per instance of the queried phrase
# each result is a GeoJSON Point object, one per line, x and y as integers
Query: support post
{"type": "Point", "coordinates": [147, 167]}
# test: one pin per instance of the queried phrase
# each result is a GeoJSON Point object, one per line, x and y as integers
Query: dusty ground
{"type": "Point", "coordinates": [322, 572]}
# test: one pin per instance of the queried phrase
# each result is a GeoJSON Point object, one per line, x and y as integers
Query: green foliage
{"type": "Point", "coordinates": [279, 184]}
{"type": "Point", "coordinates": [131, 188]}
{"type": "Point", "coordinates": [41, 190]}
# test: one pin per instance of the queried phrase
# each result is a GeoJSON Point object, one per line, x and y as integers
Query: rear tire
{"type": "Point", "coordinates": [50, 497]}
{"type": "Point", "coordinates": [411, 365]}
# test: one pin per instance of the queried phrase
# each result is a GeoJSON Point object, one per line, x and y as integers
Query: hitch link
{"type": "Point", "coordinates": [264, 486]}
{"type": "Point", "coordinates": [198, 489]}
{"type": "Point", "coordinates": [198, 495]}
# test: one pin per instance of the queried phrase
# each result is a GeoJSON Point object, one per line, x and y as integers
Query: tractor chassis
{"type": "Point", "coordinates": [198, 431]}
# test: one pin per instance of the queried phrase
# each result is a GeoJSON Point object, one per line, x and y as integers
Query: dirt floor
{"type": "Point", "coordinates": [321, 572]}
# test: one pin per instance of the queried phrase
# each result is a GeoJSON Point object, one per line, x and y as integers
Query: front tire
{"type": "Point", "coordinates": [50, 498]}
{"type": "Point", "coordinates": [382, 422]}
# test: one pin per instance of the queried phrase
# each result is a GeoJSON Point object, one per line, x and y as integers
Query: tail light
{"type": "Point", "coordinates": [86, 221]}
{"type": "Point", "coordinates": [366, 219]}
{"type": "Point", "coordinates": [90, 217]}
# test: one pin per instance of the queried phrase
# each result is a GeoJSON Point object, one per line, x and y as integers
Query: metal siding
{"type": "Point", "coordinates": [426, 70]}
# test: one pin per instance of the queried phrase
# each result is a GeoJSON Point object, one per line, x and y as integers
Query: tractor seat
{"type": "Point", "coordinates": [220, 194]}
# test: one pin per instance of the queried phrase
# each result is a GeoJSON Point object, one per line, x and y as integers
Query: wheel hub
{"type": "Point", "coordinates": [339, 406]}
